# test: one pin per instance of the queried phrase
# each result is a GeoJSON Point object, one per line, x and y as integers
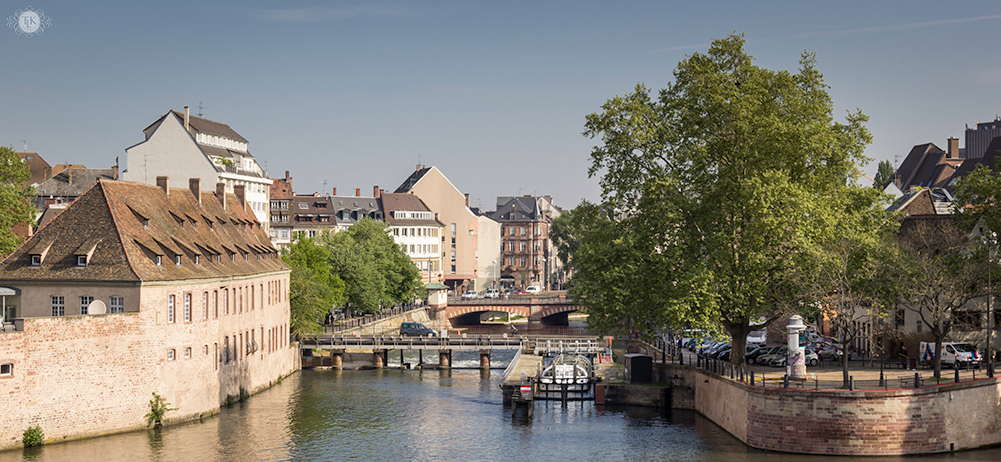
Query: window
{"type": "Point", "coordinates": [187, 353]}
{"type": "Point", "coordinates": [453, 229]}
{"type": "Point", "coordinates": [36, 260]}
{"type": "Point", "coordinates": [81, 261]}
{"type": "Point", "coordinates": [58, 305]}
{"type": "Point", "coordinates": [6, 370]}
{"type": "Point", "coordinates": [225, 301]}
{"type": "Point", "coordinates": [159, 260]}
{"type": "Point", "coordinates": [215, 303]}
{"type": "Point", "coordinates": [205, 350]}
{"type": "Point", "coordinates": [117, 304]}
{"type": "Point", "coordinates": [177, 260]}
{"type": "Point", "coordinates": [521, 230]}
{"type": "Point", "coordinates": [187, 307]}
{"type": "Point", "coordinates": [197, 263]}
{"type": "Point", "coordinates": [171, 354]}
{"type": "Point", "coordinates": [538, 230]}
{"type": "Point", "coordinates": [170, 308]}
{"type": "Point", "coordinates": [205, 305]}
{"type": "Point", "coordinates": [919, 326]}
{"type": "Point", "coordinates": [522, 262]}
{"type": "Point", "coordinates": [522, 246]}
{"type": "Point", "coordinates": [85, 303]}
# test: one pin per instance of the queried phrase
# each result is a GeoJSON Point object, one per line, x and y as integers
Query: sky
{"type": "Point", "coordinates": [353, 94]}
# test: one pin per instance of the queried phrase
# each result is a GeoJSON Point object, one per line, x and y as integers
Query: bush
{"type": "Point", "coordinates": [157, 409]}
{"type": "Point", "coordinates": [33, 436]}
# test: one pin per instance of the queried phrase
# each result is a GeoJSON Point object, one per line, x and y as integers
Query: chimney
{"type": "Point", "coordinates": [69, 173]}
{"type": "Point", "coordinates": [187, 119]}
{"type": "Point", "coordinates": [418, 166]}
{"type": "Point", "coordinates": [241, 195]}
{"type": "Point", "coordinates": [161, 181]}
{"type": "Point", "coordinates": [467, 200]}
{"type": "Point", "coordinates": [375, 191]}
{"type": "Point", "coordinates": [220, 193]}
{"type": "Point", "coordinates": [114, 172]}
{"type": "Point", "coordinates": [195, 185]}
{"type": "Point", "coordinates": [335, 192]}
{"type": "Point", "coordinates": [287, 178]}
{"type": "Point", "coordinates": [357, 192]}
{"type": "Point", "coordinates": [953, 152]}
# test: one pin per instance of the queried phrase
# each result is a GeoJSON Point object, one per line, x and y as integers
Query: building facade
{"type": "Point", "coordinates": [460, 239]}
{"type": "Point", "coordinates": [281, 211]}
{"type": "Point", "coordinates": [180, 145]}
{"type": "Point", "coordinates": [417, 231]}
{"type": "Point", "coordinates": [137, 289]}
{"type": "Point", "coordinates": [527, 254]}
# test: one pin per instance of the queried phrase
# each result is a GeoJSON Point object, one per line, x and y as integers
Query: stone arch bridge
{"type": "Point", "coordinates": [549, 311]}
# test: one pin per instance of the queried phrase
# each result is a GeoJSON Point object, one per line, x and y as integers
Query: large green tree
{"type": "Point", "coordinates": [313, 288]}
{"type": "Point", "coordinates": [722, 174]}
{"type": "Point", "coordinates": [377, 273]}
{"type": "Point", "coordinates": [16, 197]}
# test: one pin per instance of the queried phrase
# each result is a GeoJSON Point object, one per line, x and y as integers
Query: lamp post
{"type": "Point", "coordinates": [989, 240]}
{"type": "Point", "coordinates": [495, 273]}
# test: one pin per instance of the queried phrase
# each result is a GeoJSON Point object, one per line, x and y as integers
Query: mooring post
{"type": "Point", "coordinates": [444, 359]}
{"type": "Point", "coordinates": [337, 357]}
{"type": "Point", "coordinates": [377, 359]}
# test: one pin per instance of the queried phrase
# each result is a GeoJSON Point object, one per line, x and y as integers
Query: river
{"type": "Point", "coordinates": [429, 415]}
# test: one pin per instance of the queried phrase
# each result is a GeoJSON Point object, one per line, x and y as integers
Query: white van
{"type": "Point", "coordinates": [952, 352]}
{"type": "Point", "coordinates": [757, 338]}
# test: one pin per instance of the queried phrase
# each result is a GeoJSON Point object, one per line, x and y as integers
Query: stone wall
{"type": "Point", "coordinates": [87, 375]}
{"type": "Point", "coordinates": [886, 422]}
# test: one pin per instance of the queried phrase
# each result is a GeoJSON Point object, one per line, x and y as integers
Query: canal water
{"type": "Point", "coordinates": [423, 415]}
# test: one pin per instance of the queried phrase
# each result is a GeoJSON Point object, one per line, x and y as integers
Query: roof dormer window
{"type": "Point", "coordinates": [36, 260]}
{"type": "Point", "coordinates": [177, 260]}
{"type": "Point", "coordinates": [159, 261]}
{"type": "Point", "coordinates": [81, 261]}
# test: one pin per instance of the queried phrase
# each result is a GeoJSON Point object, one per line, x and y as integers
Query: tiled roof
{"type": "Point", "coordinates": [392, 202]}
{"type": "Point", "coordinates": [412, 180]}
{"type": "Point", "coordinates": [210, 127]}
{"type": "Point", "coordinates": [525, 208]}
{"type": "Point", "coordinates": [82, 179]}
{"type": "Point", "coordinates": [130, 224]}
{"type": "Point", "coordinates": [281, 189]}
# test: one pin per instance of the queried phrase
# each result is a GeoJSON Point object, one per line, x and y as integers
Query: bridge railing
{"type": "Point", "coordinates": [488, 329]}
{"type": "Point", "coordinates": [361, 321]}
{"type": "Point", "coordinates": [397, 342]}
{"type": "Point", "coordinates": [572, 346]}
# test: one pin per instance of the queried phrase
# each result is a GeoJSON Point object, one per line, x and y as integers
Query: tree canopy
{"type": "Point", "coordinates": [713, 187]}
{"type": "Point", "coordinates": [313, 288]}
{"type": "Point", "coordinates": [16, 197]}
{"type": "Point", "coordinates": [376, 271]}
{"type": "Point", "coordinates": [884, 175]}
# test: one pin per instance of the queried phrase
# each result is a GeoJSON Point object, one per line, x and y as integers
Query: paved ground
{"type": "Point", "coordinates": [865, 373]}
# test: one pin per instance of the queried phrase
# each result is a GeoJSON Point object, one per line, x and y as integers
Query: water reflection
{"type": "Point", "coordinates": [422, 415]}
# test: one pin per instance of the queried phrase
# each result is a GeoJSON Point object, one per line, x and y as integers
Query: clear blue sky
{"type": "Point", "coordinates": [492, 93]}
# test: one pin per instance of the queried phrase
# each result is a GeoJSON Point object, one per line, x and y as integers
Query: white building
{"type": "Point", "coordinates": [416, 229]}
{"type": "Point", "coordinates": [179, 145]}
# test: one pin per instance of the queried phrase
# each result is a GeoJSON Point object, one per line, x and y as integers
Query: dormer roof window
{"type": "Point", "coordinates": [81, 261]}
{"type": "Point", "coordinates": [36, 259]}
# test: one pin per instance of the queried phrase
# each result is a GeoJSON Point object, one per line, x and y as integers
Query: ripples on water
{"type": "Point", "coordinates": [425, 415]}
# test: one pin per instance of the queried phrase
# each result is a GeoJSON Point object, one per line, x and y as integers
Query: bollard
{"type": "Point", "coordinates": [851, 383]}
{"type": "Point", "coordinates": [785, 381]}
{"type": "Point", "coordinates": [752, 378]}
{"type": "Point", "coordinates": [917, 380]}
{"type": "Point", "coordinates": [957, 372]}
{"type": "Point", "coordinates": [681, 359]}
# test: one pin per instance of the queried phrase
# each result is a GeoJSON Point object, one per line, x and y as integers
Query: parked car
{"type": "Point", "coordinates": [508, 292]}
{"type": "Point", "coordinates": [519, 292]}
{"type": "Point", "coordinates": [416, 329]}
{"type": "Point", "coordinates": [752, 357]}
{"type": "Point", "coordinates": [757, 337]}
{"type": "Point", "coordinates": [775, 352]}
{"type": "Point", "coordinates": [491, 293]}
{"type": "Point", "coordinates": [718, 348]}
{"type": "Point", "coordinates": [779, 359]}
{"type": "Point", "coordinates": [533, 289]}
{"type": "Point", "coordinates": [725, 354]}
{"type": "Point", "coordinates": [953, 352]}
{"type": "Point", "coordinates": [830, 351]}
{"type": "Point", "coordinates": [469, 295]}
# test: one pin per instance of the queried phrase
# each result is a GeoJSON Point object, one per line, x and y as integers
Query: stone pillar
{"type": "Point", "coordinates": [377, 359]}
{"type": "Point", "coordinates": [337, 357]}
{"type": "Point", "coordinates": [444, 359]}
{"type": "Point", "coordinates": [484, 359]}
{"type": "Point", "coordinates": [796, 364]}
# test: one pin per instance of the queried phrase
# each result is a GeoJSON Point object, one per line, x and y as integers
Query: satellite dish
{"type": "Point", "coordinates": [97, 307]}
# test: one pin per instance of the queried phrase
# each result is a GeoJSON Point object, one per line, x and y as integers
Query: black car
{"type": "Point", "coordinates": [416, 329]}
{"type": "Point", "coordinates": [752, 357]}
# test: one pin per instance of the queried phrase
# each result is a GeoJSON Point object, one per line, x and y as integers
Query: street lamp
{"type": "Point", "coordinates": [495, 273]}
{"type": "Point", "coordinates": [988, 240]}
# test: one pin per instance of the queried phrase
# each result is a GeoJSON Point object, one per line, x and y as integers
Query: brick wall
{"type": "Point", "coordinates": [87, 375]}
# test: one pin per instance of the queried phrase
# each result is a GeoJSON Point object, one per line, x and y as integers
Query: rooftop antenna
{"type": "Point", "coordinates": [200, 108]}
{"type": "Point", "coordinates": [896, 168]}
{"type": "Point", "coordinates": [324, 186]}
{"type": "Point", "coordinates": [25, 145]}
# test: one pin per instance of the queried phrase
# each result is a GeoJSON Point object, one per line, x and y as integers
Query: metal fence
{"type": "Point", "coordinates": [866, 375]}
{"type": "Point", "coordinates": [363, 320]}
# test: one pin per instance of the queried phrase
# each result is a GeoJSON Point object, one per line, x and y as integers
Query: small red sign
{"type": "Point", "coordinates": [526, 389]}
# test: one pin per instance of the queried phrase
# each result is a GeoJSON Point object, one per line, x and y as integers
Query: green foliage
{"type": "Point", "coordinates": [16, 198]}
{"type": "Point", "coordinates": [158, 408]}
{"type": "Point", "coordinates": [313, 288]}
{"type": "Point", "coordinates": [976, 196]}
{"type": "Point", "coordinates": [375, 270]}
{"type": "Point", "coordinates": [715, 184]}
{"type": "Point", "coordinates": [33, 436]}
{"type": "Point", "coordinates": [884, 175]}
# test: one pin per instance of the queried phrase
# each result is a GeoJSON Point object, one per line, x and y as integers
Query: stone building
{"type": "Point", "coordinates": [527, 253]}
{"type": "Point", "coordinates": [281, 209]}
{"type": "Point", "coordinates": [136, 289]}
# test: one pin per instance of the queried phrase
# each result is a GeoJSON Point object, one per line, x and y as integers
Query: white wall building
{"type": "Point", "coordinates": [416, 229]}
{"type": "Point", "coordinates": [179, 145]}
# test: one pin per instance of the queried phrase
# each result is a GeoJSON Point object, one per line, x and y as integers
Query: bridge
{"type": "Point", "coordinates": [381, 345]}
{"type": "Point", "coordinates": [545, 311]}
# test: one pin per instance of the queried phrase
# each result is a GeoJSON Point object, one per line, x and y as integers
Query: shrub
{"type": "Point", "coordinates": [157, 409]}
{"type": "Point", "coordinates": [33, 436]}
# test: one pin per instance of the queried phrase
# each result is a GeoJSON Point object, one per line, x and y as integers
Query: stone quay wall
{"type": "Point", "coordinates": [933, 419]}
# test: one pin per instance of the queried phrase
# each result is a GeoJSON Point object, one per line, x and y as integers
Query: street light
{"type": "Point", "coordinates": [988, 240]}
{"type": "Point", "coordinates": [495, 273]}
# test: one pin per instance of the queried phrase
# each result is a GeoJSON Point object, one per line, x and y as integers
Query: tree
{"type": "Point", "coordinates": [884, 175]}
{"type": "Point", "coordinates": [722, 175]}
{"type": "Point", "coordinates": [852, 274]}
{"type": "Point", "coordinates": [938, 274]}
{"type": "Point", "coordinates": [16, 197]}
{"type": "Point", "coordinates": [313, 288]}
{"type": "Point", "coordinates": [375, 270]}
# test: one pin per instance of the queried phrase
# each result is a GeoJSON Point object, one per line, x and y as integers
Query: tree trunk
{"type": "Point", "coordinates": [738, 341]}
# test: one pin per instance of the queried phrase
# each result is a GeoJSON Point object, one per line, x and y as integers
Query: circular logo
{"type": "Point", "coordinates": [29, 22]}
